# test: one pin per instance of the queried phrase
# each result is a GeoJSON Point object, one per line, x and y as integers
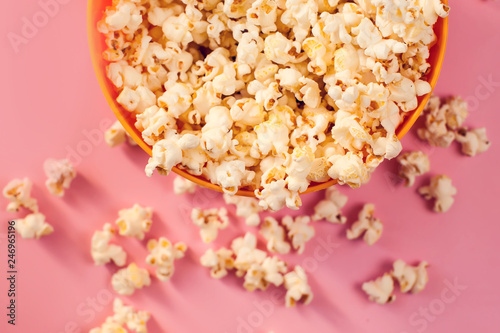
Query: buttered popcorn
{"type": "Point", "coordinates": [33, 226]}
{"type": "Point", "coordinates": [329, 208]}
{"type": "Point", "coordinates": [270, 95]}
{"type": "Point", "coordinates": [245, 207]}
{"type": "Point", "coordinates": [124, 316]}
{"type": "Point", "coordinates": [410, 278]}
{"type": "Point", "coordinates": [413, 164]}
{"type": "Point", "coordinates": [162, 256]}
{"type": "Point", "coordinates": [135, 221]}
{"type": "Point", "coordinates": [182, 186]}
{"type": "Point", "coordinates": [210, 221]}
{"type": "Point", "coordinates": [60, 174]}
{"type": "Point", "coordinates": [380, 290]}
{"type": "Point", "coordinates": [299, 231]}
{"type": "Point", "coordinates": [442, 190]}
{"type": "Point", "coordinates": [297, 287]}
{"type": "Point", "coordinates": [130, 278]}
{"type": "Point", "coordinates": [102, 251]}
{"type": "Point", "coordinates": [366, 224]}
{"type": "Point", "coordinates": [18, 191]}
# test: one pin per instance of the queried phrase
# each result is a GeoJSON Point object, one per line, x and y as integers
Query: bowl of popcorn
{"type": "Point", "coordinates": [267, 98]}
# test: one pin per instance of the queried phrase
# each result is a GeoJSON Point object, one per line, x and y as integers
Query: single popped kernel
{"type": "Point", "coordinates": [116, 135]}
{"type": "Point", "coordinates": [124, 316]}
{"type": "Point", "coordinates": [219, 262]}
{"type": "Point", "coordinates": [442, 191]}
{"type": "Point", "coordinates": [367, 224]}
{"type": "Point", "coordinates": [297, 288]}
{"type": "Point", "coordinates": [162, 256]}
{"type": "Point", "coordinates": [18, 191]}
{"type": "Point", "coordinates": [183, 185]}
{"type": "Point", "coordinates": [410, 278]}
{"type": "Point", "coordinates": [33, 226]}
{"type": "Point", "coordinates": [380, 290]}
{"type": "Point", "coordinates": [330, 208]}
{"type": "Point", "coordinates": [245, 207]}
{"type": "Point", "coordinates": [275, 235]}
{"type": "Point", "coordinates": [299, 231]}
{"type": "Point", "coordinates": [102, 251]}
{"type": "Point", "coordinates": [413, 164]}
{"type": "Point", "coordinates": [135, 221]}
{"type": "Point", "coordinates": [473, 141]}
{"type": "Point", "coordinates": [210, 221]}
{"type": "Point", "coordinates": [259, 276]}
{"type": "Point", "coordinates": [60, 174]}
{"type": "Point", "coordinates": [246, 253]}
{"type": "Point", "coordinates": [130, 278]}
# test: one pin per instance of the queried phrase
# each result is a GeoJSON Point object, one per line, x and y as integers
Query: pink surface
{"type": "Point", "coordinates": [51, 102]}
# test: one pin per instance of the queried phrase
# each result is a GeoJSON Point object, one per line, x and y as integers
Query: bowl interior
{"type": "Point", "coordinates": [97, 46]}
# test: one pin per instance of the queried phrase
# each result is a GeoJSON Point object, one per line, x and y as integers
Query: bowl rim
{"type": "Point", "coordinates": [96, 57]}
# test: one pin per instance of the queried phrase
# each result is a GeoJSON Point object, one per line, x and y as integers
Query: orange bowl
{"type": "Point", "coordinates": [95, 12]}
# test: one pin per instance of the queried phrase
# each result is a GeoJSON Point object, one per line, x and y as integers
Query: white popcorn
{"type": "Point", "coordinates": [367, 224]}
{"type": "Point", "coordinates": [102, 251]}
{"type": "Point", "coordinates": [33, 226]}
{"type": "Point", "coordinates": [297, 288]}
{"type": "Point", "coordinates": [246, 207]}
{"type": "Point", "coordinates": [209, 221]}
{"type": "Point", "coordinates": [135, 221]}
{"type": "Point", "coordinates": [18, 191]}
{"type": "Point", "coordinates": [162, 256]}
{"type": "Point", "coordinates": [387, 147]}
{"type": "Point", "coordinates": [246, 252]}
{"type": "Point", "coordinates": [219, 262]}
{"type": "Point", "coordinates": [300, 163]}
{"type": "Point", "coordinates": [281, 50]}
{"type": "Point", "coordinates": [330, 208]}
{"type": "Point", "coordinates": [231, 175]}
{"type": "Point", "coordinates": [153, 123]}
{"type": "Point", "coordinates": [275, 196]}
{"type": "Point", "coordinates": [299, 231]}
{"type": "Point", "coordinates": [380, 290]}
{"type": "Point", "coordinates": [183, 185]}
{"type": "Point", "coordinates": [263, 13]}
{"type": "Point", "coordinates": [410, 278]}
{"type": "Point", "coordinates": [60, 174]}
{"type": "Point", "coordinates": [128, 279]}
{"type": "Point", "coordinates": [348, 169]}
{"type": "Point", "coordinates": [129, 99]}
{"type": "Point", "coordinates": [124, 315]}
{"type": "Point", "coordinates": [275, 236]}
{"type": "Point", "coordinates": [258, 276]}
{"type": "Point", "coordinates": [272, 136]}
{"type": "Point", "coordinates": [116, 135]}
{"type": "Point", "coordinates": [413, 164]}
{"type": "Point", "coordinates": [473, 141]}
{"type": "Point", "coordinates": [177, 99]}
{"type": "Point", "coordinates": [442, 191]}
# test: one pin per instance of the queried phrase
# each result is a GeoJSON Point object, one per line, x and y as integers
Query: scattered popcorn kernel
{"type": "Point", "coordinates": [183, 185]}
{"type": "Point", "coordinates": [210, 221]}
{"type": "Point", "coordinates": [116, 135]}
{"type": "Point", "coordinates": [18, 191]}
{"type": "Point", "coordinates": [442, 191]}
{"type": "Point", "coordinates": [367, 224]}
{"type": "Point", "coordinates": [275, 236]}
{"type": "Point", "coordinates": [102, 251]}
{"type": "Point", "coordinates": [33, 226]}
{"type": "Point", "coordinates": [124, 316]}
{"type": "Point", "coordinates": [380, 290]}
{"type": "Point", "coordinates": [135, 221]}
{"type": "Point", "coordinates": [410, 278]}
{"type": "Point", "coordinates": [299, 231]}
{"type": "Point", "coordinates": [258, 276]}
{"type": "Point", "coordinates": [245, 207]}
{"type": "Point", "coordinates": [162, 256]}
{"type": "Point", "coordinates": [60, 174]}
{"type": "Point", "coordinates": [329, 208]}
{"type": "Point", "coordinates": [297, 288]}
{"type": "Point", "coordinates": [413, 164]}
{"type": "Point", "coordinates": [130, 278]}
{"type": "Point", "coordinates": [246, 252]}
{"type": "Point", "coordinates": [219, 262]}
{"type": "Point", "coordinates": [473, 141]}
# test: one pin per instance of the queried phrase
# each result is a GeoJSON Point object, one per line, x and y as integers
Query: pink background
{"type": "Point", "coordinates": [51, 102]}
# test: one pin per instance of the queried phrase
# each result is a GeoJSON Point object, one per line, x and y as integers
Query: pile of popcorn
{"type": "Point", "coordinates": [270, 95]}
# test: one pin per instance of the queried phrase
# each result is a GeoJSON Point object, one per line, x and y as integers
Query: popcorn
{"type": "Point", "coordinates": [162, 256]}
{"type": "Point", "coordinates": [116, 135]}
{"type": "Point", "coordinates": [60, 174]}
{"type": "Point", "coordinates": [209, 221]}
{"type": "Point", "coordinates": [135, 221]}
{"type": "Point", "coordinates": [367, 224]}
{"type": "Point", "coordinates": [299, 231]}
{"type": "Point", "coordinates": [441, 190]}
{"type": "Point", "coordinates": [413, 164]}
{"type": "Point", "coordinates": [124, 315]}
{"type": "Point", "coordinates": [246, 252]}
{"type": "Point", "coordinates": [329, 208]}
{"type": "Point", "coordinates": [245, 207]}
{"type": "Point", "coordinates": [275, 195]}
{"type": "Point", "coordinates": [410, 278]}
{"type": "Point", "coordinates": [259, 276]}
{"type": "Point", "coordinates": [153, 123]}
{"type": "Point", "coordinates": [380, 290]}
{"type": "Point", "coordinates": [102, 251]}
{"type": "Point", "coordinates": [348, 169]}
{"type": "Point", "coordinates": [177, 99]}
{"type": "Point", "coordinates": [219, 262]}
{"type": "Point", "coordinates": [298, 290]}
{"type": "Point", "coordinates": [275, 236]}
{"type": "Point", "coordinates": [183, 185]}
{"type": "Point", "coordinates": [473, 141]}
{"type": "Point", "coordinates": [18, 191]}
{"type": "Point", "coordinates": [128, 279]}
{"type": "Point", "coordinates": [33, 226]}
{"type": "Point", "coordinates": [231, 175]}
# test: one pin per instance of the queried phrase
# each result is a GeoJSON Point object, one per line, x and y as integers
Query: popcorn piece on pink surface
{"type": "Point", "coordinates": [299, 231]}
{"type": "Point", "coordinates": [130, 278]}
{"type": "Point", "coordinates": [183, 185]}
{"type": "Point", "coordinates": [275, 235]}
{"type": "Point", "coordinates": [367, 224]}
{"type": "Point", "coordinates": [116, 135]}
{"type": "Point", "coordinates": [60, 174]}
{"type": "Point", "coordinates": [135, 221]}
{"type": "Point", "coordinates": [124, 316]}
{"type": "Point", "coordinates": [247, 253]}
{"type": "Point", "coordinates": [297, 288]}
{"type": "Point", "coordinates": [210, 221]}
{"type": "Point", "coordinates": [162, 256]}
{"type": "Point", "coordinates": [246, 207]}
{"type": "Point", "coordinates": [259, 275]}
{"type": "Point", "coordinates": [410, 278]}
{"type": "Point", "coordinates": [413, 164]}
{"type": "Point", "coordinates": [442, 191]}
{"type": "Point", "coordinates": [219, 261]}
{"type": "Point", "coordinates": [102, 251]}
{"type": "Point", "coordinates": [330, 208]}
{"type": "Point", "coordinates": [18, 191]}
{"type": "Point", "coordinates": [33, 226]}
{"type": "Point", "coordinates": [380, 290]}
{"type": "Point", "coordinates": [473, 141]}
